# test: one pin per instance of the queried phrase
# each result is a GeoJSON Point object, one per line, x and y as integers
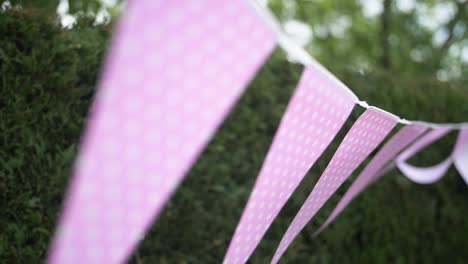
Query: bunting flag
{"type": "Point", "coordinates": [174, 71]}
{"type": "Point", "coordinates": [377, 167]}
{"type": "Point", "coordinates": [460, 154]}
{"type": "Point", "coordinates": [315, 114]}
{"type": "Point", "coordinates": [365, 135]}
{"type": "Point", "coordinates": [424, 175]}
{"type": "Point", "coordinates": [432, 174]}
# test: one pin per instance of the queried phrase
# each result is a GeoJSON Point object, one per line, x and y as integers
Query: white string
{"type": "Point", "coordinates": [299, 55]}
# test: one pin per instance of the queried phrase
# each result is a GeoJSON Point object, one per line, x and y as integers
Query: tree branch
{"type": "Point", "coordinates": [461, 6]}
{"type": "Point", "coordinates": [385, 33]}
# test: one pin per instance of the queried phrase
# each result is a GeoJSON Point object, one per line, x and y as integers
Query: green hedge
{"type": "Point", "coordinates": [47, 78]}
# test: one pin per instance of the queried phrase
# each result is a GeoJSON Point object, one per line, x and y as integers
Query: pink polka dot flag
{"type": "Point", "coordinates": [314, 116]}
{"type": "Point", "coordinates": [424, 175]}
{"type": "Point", "coordinates": [364, 136]}
{"type": "Point", "coordinates": [460, 154]}
{"type": "Point", "coordinates": [174, 70]}
{"type": "Point", "coordinates": [405, 136]}
{"type": "Point", "coordinates": [427, 175]}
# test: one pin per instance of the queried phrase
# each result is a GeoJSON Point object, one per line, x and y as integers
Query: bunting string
{"type": "Point", "coordinates": [174, 70]}
{"type": "Point", "coordinates": [297, 54]}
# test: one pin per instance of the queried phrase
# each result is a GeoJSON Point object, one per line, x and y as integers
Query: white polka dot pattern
{"type": "Point", "coordinates": [174, 71]}
{"type": "Point", "coordinates": [365, 135]}
{"type": "Point", "coordinates": [397, 143]}
{"type": "Point", "coordinates": [314, 116]}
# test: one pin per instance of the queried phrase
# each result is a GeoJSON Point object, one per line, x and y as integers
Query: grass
{"type": "Point", "coordinates": [47, 78]}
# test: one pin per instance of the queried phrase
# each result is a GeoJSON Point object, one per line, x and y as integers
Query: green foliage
{"type": "Point", "coordinates": [75, 6]}
{"type": "Point", "coordinates": [341, 30]}
{"type": "Point", "coordinates": [47, 76]}
{"type": "Point", "coordinates": [46, 79]}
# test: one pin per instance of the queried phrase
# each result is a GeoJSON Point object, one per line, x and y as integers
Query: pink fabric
{"type": "Point", "coordinates": [460, 154]}
{"type": "Point", "coordinates": [174, 70]}
{"type": "Point", "coordinates": [426, 175]}
{"type": "Point", "coordinates": [365, 135]}
{"type": "Point", "coordinates": [314, 116]}
{"type": "Point", "coordinates": [429, 174]}
{"type": "Point", "coordinates": [376, 167]}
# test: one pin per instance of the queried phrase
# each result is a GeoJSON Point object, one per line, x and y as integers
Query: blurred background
{"type": "Point", "coordinates": [406, 56]}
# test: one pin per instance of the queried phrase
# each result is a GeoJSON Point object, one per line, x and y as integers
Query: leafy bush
{"type": "Point", "coordinates": [46, 78]}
